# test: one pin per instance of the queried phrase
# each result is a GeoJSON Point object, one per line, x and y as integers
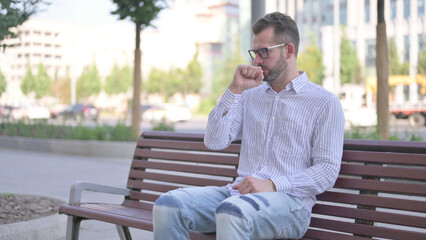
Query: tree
{"type": "Point", "coordinates": [141, 12]}
{"type": "Point", "coordinates": [28, 82]}
{"type": "Point", "coordinates": [89, 83]}
{"type": "Point", "coordinates": [164, 82]}
{"type": "Point", "coordinates": [119, 80]}
{"type": "Point", "coordinates": [395, 66]}
{"type": "Point", "coordinates": [382, 66]}
{"type": "Point", "coordinates": [12, 14]}
{"type": "Point", "coordinates": [3, 83]}
{"type": "Point", "coordinates": [310, 61]}
{"type": "Point", "coordinates": [192, 75]}
{"type": "Point", "coordinates": [42, 83]}
{"type": "Point", "coordinates": [61, 89]}
{"type": "Point", "coordinates": [421, 66]}
{"type": "Point", "coordinates": [348, 60]}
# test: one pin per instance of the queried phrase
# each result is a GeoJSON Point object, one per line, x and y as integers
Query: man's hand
{"type": "Point", "coordinates": [254, 185]}
{"type": "Point", "coordinates": [246, 77]}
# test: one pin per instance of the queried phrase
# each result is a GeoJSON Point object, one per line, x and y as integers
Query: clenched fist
{"type": "Point", "coordinates": [246, 77]}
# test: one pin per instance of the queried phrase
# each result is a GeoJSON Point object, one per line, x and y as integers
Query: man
{"type": "Point", "coordinates": [292, 141]}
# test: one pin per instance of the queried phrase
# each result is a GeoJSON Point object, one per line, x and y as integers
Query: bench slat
{"type": "Point", "coordinates": [138, 185]}
{"type": "Point", "coordinates": [184, 145]}
{"type": "Point", "coordinates": [187, 157]}
{"type": "Point", "coordinates": [381, 186]}
{"type": "Point", "coordinates": [143, 196]}
{"type": "Point", "coordinates": [381, 171]}
{"type": "Point", "coordinates": [217, 171]}
{"type": "Point", "coordinates": [193, 181]}
{"type": "Point", "coordinates": [362, 229]}
{"type": "Point", "coordinates": [375, 201]}
{"type": "Point", "coordinates": [137, 204]}
{"type": "Point", "coordinates": [376, 216]}
{"type": "Point", "coordinates": [384, 158]}
{"type": "Point", "coordinates": [323, 235]}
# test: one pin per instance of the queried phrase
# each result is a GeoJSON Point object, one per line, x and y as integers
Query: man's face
{"type": "Point", "coordinates": [276, 63]}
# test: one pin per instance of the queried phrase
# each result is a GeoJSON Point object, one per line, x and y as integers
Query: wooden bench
{"type": "Point", "coordinates": [380, 193]}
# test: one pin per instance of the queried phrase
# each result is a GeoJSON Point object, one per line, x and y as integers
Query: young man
{"type": "Point", "coordinates": [292, 142]}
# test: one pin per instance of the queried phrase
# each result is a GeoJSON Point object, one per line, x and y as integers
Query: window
{"type": "Point", "coordinates": [37, 44]}
{"type": "Point", "coordinates": [58, 57]}
{"type": "Point", "coordinates": [421, 40]}
{"type": "Point", "coordinates": [27, 44]}
{"type": "Point", "coordinates": [326, 10]}
{"type": "Point", "coordinates": [343, 12]}
{"type": "Point", "coordinates": [37, 33]}
{"type": "Point", "coordinates": [47, 45]}
{"type": "Point", "coordinates": [47, 33]}
{"type": "Point", "coordinates": [48, 56]}
{"type": "Point", "coordinates": [57, 46]}
{"type": "Point", "coordinates": [420, 8]}
{"type": "Point", "coordinates": [406, 49]}
{"type": "Point", "coordinates": [393, 9]}
{"type": "Point", "coordinates": [36, 55]}
{"type": "Point", "coordinates": [367, 11]}
{"type": "Point", "coordinates": [19, 55]}
{"type": "Point", "coordinates": [27, 33]}
{"type": "Point", "coordinates": [370, 55]}
{"type": "Point", "coordinates": [406, 9]}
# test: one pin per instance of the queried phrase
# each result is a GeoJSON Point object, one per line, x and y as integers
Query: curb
{"type": "Point", "coordinates": [52, 227]}
{"type": "Point", "coordinates": [73, 147]}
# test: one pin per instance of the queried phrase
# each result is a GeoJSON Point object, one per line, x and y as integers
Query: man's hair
{"type": "Point", "coordinates": [285, 28]}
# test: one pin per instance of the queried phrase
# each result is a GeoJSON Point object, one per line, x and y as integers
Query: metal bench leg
{"type": "Point", "coordinates": [73, 228]}
{"type": "Point", "coordinates": [123, 232]}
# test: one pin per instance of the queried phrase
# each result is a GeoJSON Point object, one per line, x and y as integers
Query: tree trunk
{"type": "Point", "coordinates": [382, 66]}
{"type": "Point", "coordinates": [137, 85]}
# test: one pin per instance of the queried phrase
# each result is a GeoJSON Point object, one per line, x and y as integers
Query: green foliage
{"type": "Point", "coordinates": [164, 82]}
{"type": "Point", "coordinates": [89, 83]}
{"type": "Point", "coordinates": [421, 66]}
{"type": "Point", "coordinates": [163, 125]}
{"type": "Point", "coordinates": [348, 60]}
{"type": "Point", "coordinates": [206, 106]}
{"type": "Point", "coordinates": [13, 13]}
{"type": "Point", "coordinates": [310, 61]}
{"type": "Point", "coordinates": [225, 73]}
{"type": "Point", "coordinates": [3, 83]}
{"type": "Point", "coordinates": [42, 84]}
{"type": "Point", "coordinates": [192, 76]}
{"type": "Point", "coordinates": [61, 88]}
{"type": "Point", "coordinates": [42, 129]}
{"type": "Point", "coordinates": [28, 82]}
{"type": "Point", "coordinates": [119, 80]}
{"type": "Point", "coordinates": [141, 12]}
{"type": "Point", "coordinates": [373, 134]}
{"type": "Point", "coordinates": [395, 66]}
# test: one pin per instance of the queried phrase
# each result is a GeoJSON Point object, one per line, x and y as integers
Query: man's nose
{"type": "Point", "coordinates": [257, 59]}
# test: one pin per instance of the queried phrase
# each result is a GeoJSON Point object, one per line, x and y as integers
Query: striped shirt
{"type": "Point", "coordinates": [294, 138]}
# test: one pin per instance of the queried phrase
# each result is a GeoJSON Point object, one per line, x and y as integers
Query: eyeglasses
{"type": "Point", "coordinates": [263, 52]}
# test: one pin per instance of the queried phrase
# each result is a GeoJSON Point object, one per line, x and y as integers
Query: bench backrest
{"type": "Point", "coordinates": [379, 193]}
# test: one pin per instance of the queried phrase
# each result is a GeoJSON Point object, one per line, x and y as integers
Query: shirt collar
{"type": "Point", "coordinates": [297, 84]}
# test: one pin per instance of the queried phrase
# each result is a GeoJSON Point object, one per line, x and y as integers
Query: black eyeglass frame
{"type": "Point", "coordinates": [253, 53]}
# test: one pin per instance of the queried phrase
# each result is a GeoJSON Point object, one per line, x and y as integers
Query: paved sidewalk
{"type": "Point", "coordinates": [52, 175]}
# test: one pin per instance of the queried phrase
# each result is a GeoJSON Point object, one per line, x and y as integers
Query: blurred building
{"type": "Point", "coordinates": [66, 48]}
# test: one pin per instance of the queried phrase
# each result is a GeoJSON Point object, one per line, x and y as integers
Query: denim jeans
{"type": "Point", "coordinates": [268, 215]}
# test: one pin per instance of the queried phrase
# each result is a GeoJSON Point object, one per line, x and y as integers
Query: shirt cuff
{"type": "Point", "coordinates": [229, 99]}
{"type": "Point", "coordinates": [282, 184]}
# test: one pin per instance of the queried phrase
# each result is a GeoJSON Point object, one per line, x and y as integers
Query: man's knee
{"type": "Point", "coordinates": [168, 200]}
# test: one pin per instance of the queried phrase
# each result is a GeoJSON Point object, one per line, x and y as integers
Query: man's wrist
{"type": "Point", "coordinates": [274, 188]}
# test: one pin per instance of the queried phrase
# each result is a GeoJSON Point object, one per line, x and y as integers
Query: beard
{"type": "Point", "coordinates": [275, 71]}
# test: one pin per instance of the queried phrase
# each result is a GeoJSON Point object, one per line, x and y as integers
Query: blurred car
{"type": "Point", "coordinates": [5, 111]}
{"type": "Point", "coordinates": [360, 117]}
{"type": "Point", "coordinates": [37, 112]}
{"type": "Point", "coordinates": [169, 113]}
{"type": "Point", "coordinates": [79, 112]}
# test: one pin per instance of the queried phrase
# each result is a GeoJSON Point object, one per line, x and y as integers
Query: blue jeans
{"type": "Point", "coordinates": [266, 215]}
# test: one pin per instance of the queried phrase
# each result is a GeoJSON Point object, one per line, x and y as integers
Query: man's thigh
{"type": "Point", "coordinates": [198, 205]}
{"type": "Point", "coordinates": [271, 214]}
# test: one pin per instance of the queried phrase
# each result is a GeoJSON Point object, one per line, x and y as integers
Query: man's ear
{"type": "Point", "coordinates": [290, 50]}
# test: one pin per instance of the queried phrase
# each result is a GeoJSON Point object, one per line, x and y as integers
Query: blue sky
{"type": "Point", "coordinates": [93, 12]}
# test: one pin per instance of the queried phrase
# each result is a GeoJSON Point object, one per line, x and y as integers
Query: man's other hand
{"type": "Point", "coordinates": [254, 185]}
{"type": "Point", "coordinates": [246, 77]}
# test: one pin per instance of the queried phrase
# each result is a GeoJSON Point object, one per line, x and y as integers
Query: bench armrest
{"type": "Point", "coordinates": [78, 187]}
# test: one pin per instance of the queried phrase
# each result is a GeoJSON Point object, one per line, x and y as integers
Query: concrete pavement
{"type": "Point", "coordinates": [51, 175]}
